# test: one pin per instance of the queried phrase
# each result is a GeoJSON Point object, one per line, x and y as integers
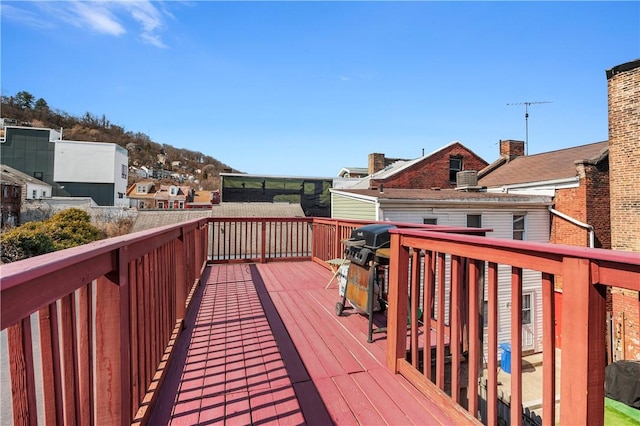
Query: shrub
{"type": "Point", "coordinates": [68, 228]}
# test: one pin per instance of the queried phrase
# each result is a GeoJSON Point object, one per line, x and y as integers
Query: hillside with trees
{"type": "Point", "coordinates": [26, 110]}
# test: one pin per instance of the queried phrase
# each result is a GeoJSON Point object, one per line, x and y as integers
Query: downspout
{"type": "Point", "coordinates": [576, 222]}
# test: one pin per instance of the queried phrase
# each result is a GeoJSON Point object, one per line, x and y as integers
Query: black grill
{"type": "Point", "coordinates": [361, 247]}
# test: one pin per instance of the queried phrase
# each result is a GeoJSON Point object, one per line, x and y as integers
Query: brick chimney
{"type": "Point", "coordinates": [511, 148]}
{"type": "Point", "coordinates": [376, 162]}
{"type": "Point", "coordinates": [623, 84]}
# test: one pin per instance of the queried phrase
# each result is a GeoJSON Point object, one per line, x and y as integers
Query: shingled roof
{"type": "Point", "coordinates": [547, 166]}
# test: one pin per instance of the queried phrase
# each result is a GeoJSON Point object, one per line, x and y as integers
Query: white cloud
{"type": "Point", "coordinates": [113, 18]}
{"type": "Point", "coordinates": [96, 16]}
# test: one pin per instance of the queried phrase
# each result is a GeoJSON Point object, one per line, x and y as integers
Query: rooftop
{"type": "Point", "coordinates": [547, 166]}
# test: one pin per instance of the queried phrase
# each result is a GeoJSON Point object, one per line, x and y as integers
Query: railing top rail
{"type": "Point", "coordinates": [550, 255]}
{"type": "Point", "coordinates": [258, 219]}
{"type": "Point", "coordinates": [46, 263]}
{"type": "Point", "coordinates": [32, 280]}
{"type": "Point", "coordinates": [404, 225]}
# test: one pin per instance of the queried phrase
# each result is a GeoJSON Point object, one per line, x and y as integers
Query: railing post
{"type": "Point", "coordinates": [263, 242]}
{"type": "Point", "coordinates": [180, 275]}
{"type": "Point", "coordinates": [583, 345]}
{"type": "Point", "coordinates": [113, 378]}
{"type": "Point", "coordinates": [397, 299]}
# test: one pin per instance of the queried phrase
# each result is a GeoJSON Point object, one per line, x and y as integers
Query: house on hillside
{"type": "Point", "coordinates": [509, 216]}
{"type": "Point", "coordinates": [141, 194]}
{"type": "Point", "coordinates": [438, 169]}
{"type": "Point", "coordinates": [173, 196]}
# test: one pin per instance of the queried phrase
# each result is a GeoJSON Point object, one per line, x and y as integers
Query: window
{"type": "Point", "coordinates": [161, 204]}
{"type": "Point", "coordinates": [181, 205]}
{"type": "Point", "coordinates": [455, 166]}
{"type": "Point", "coordinates": [474, 221]}
{"type": "Point", "coordinates": [485, 314]}
{"type": "Point", "coordinates": [120, 195]}
{"type": "Point", "coordinates": [141, 189]}
{"type": "Point", "coordinates": [124, 171]}
{"type": "Point", "coordinates": [44, 194]}
{"type": "Point", "coordinates": [430, 221]}
{"type": "Point", "coordinates": [518, 226]}
{"type": "Point", "coordinates": [526, 309]}
{"type": "Point", "coordinates": [34, 194]}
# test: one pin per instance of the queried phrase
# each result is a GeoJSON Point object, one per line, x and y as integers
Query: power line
{"type": "Point", "coordinates": [526, 119]}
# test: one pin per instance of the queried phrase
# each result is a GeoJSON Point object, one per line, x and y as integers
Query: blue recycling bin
{"type": "Point", "coordinates": [505, 361]}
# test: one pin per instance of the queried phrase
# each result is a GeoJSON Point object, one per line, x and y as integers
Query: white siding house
{"type": "Point", "coordinates": [93, 163]}
{"type": "Point", "coordinates": [527, 215]}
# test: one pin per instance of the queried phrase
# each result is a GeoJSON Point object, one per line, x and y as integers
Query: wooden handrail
{"type": "Point", "coordinates": [586, 273]}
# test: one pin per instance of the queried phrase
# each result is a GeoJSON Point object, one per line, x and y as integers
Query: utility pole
{"type": "Point", "coordinates": [526, 120]}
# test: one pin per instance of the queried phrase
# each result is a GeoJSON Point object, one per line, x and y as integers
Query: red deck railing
{"type": "Point", "coordinates": [419, 262]}
{"type": "Point", "coordinates": [107, 314]}
{"type": "Point", "coordinates": [103, 349]}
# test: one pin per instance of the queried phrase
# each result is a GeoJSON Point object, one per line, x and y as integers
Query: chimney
{"type": "Point", "coordinates": [376, 162]}
{"type": "Point", "coordinates": [511, 149]}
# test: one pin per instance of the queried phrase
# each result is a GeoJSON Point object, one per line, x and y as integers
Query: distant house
{"type": "Point", "coordinates": [438, 169]}
{"type": "Point", "coordinates": [510, 216]}
{"type": "Point", "coordinates": [73, 168]}
{"type": "Point", "coordinates": [353, 172]}
{"type": "Point", "coordinates": [10, 203]}
{"type": "Point", "coordinates": [141, 194]}
{"type": "Point", "coordinates": [203, 200]}
{"type": "Point", "coordinates": [577, 180]}
{"type": "Point", "coordinates": [173, 197]}
{"type": "Point", "coordinates": [32, 188]}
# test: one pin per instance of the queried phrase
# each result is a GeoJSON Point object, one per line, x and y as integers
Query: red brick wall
{"type": "Point", "coordinates": [572, 202]}
{"type": "Point", "coordinates": [433, 171]}
{"type": "Point", "coordinates": [598, 202]}
{"type": "Point", "coordinates": [624, 160]}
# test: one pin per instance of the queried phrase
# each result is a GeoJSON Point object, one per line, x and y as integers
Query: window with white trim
{"type": "Point", "coordinates": [518, 227]}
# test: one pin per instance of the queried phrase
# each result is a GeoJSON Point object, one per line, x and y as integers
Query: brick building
{"type": "Point", "coordinates": [435, 170]}
{"type": "Point", "coordinates": [623, 83]}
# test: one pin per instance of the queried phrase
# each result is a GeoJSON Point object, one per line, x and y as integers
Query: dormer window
{"type": "Point", "coordinates": [173, 191]}
{"type": "Point", "coordinates": [455, 166]}
{"type": "Point", "coordinates": [141, 189]}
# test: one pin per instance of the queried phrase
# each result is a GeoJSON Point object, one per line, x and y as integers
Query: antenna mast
{"type": "Point", "coordinates": [526, 120]}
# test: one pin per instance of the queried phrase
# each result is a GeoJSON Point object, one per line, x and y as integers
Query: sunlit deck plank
{"type": "Point", "coordinates": [283, 356]}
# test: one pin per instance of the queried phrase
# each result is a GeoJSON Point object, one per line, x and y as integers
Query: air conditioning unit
{"type": "Point", "coordinates": [467, 178]}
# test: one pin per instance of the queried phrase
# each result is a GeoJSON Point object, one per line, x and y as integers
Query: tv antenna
{"type": "Point", "coordinates": [526, 119]}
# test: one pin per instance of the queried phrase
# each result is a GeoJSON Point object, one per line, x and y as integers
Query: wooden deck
{"type": "Point", "coordinates": [263, 345]}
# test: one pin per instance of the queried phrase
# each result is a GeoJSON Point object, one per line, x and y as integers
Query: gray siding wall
{"type": "Point", "coordinates": [501, 221]}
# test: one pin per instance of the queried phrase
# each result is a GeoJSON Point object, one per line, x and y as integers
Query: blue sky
{"type": "Point", "coordinates": [306, 88]}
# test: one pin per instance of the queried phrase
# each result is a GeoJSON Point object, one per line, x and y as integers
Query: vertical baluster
{"type": "Point", "coordinates": [427, 308]}
{"type": "Point", "coordinates": [549, 351]}
{"type": "Point", "coordinates": [455, 311]}
{"type": "Point", "coordinates": [440, 326]}
{"type": "Point", "coordinates": [492, 364]}
{"type": "Point", "coordinates": [516, 346]}
{"type": "Point", "coordinates": [415, 300]}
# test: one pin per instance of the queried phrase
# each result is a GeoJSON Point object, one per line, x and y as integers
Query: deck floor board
{"type": "Point", "coordinates": [263, 345]}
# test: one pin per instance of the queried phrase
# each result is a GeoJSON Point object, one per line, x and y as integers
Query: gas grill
{"type": "Point", "coordinates": [365, 279]}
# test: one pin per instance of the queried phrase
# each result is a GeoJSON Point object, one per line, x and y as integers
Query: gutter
{"type": "Point", "coordinates": [576, 222]}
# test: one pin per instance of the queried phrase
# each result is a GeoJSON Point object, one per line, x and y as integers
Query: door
{"type": "Point", "coordinates": [528, 337]}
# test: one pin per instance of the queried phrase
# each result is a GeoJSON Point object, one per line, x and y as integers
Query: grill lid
{"type": "Point", "coordinates": [375, 235]}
